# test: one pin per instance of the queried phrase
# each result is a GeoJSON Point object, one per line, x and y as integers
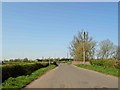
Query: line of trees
{"type": "Point", "coordinates": [85, 47]}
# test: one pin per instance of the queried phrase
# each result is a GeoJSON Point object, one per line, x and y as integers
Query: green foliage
{"type": "Point", "coordinates": [106, 63]}
{"type": "Point", "coordinates": [21, 81]}
{"type": "Point", "coordinates": [106, 70]}
{"type": "Point", "coordinates": [14, 61]}
{"type": "Point", "coordinates": [14, 70]}
{"type": "Point", "coordinates": [117, 64]}
{"type": "Point", "coordinates": [55, 63]}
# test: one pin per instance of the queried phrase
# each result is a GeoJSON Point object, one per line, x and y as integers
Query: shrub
{"type": "Point", "coordinates": [106, 63]}
{"type": "Point", "coordinates": [117, 64]}
{"type": "Point", "coordinates": [55, 63]}
{"type": "Point", "coordinates": [20, 69]}
{"type": "Point", "coordinates": [97, 62]}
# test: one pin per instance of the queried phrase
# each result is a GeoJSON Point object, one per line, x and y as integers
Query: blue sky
{"type": "Point", "coordinates": [34, 30]}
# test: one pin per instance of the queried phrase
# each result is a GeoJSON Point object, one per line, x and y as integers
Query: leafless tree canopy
{"type": "Point", "coordinates": [107, 49]}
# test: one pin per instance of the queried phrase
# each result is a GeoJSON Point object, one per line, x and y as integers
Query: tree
{"type": "Point", "coordinates": [116, 53]}
{"type": "Point", "coordinates": [25, 60]}
{"type": "Point", "coordinates": [82, 43]}
{"type": "Point", "coordinates": [106, 49]}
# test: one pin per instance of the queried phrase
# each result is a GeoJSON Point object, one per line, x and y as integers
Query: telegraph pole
{"type": "Point", "coordinates": [84, 49]}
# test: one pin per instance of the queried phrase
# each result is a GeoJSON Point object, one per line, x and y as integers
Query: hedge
{"type": "Point", "coordinates": [20, 69]}
{"type": "Point", "coordinates": [117, 64]}
{"type": "Point", "coordinates": [106, 63]}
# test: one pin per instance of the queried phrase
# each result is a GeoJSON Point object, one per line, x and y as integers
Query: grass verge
{"type": "Point", "coordinates": [21, 81]}
{"type": "Point", "coordinates": [110, 71]}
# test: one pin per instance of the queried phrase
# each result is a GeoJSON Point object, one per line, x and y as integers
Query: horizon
{"type": "Point", "coordinates": [36, 30]}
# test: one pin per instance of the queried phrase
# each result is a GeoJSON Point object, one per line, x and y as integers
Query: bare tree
{"type": "Point", "coordinates": [82, 43]}
{"type": "Point", "coordinates": [116, 53]}
{"type": "Point", "coordinates": [106, 49]}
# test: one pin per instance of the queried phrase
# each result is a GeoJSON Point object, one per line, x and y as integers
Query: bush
{"type": "Point", "coordinates": [20, 69]}
{"type": "Point", "coordinates": [97, 62]}
{"type": "Point", "coordinates": [55, 63]}
{"type": "Point", "coordinates": [117, 64]}
{"type": "Point", "coordinates": [106, 63]}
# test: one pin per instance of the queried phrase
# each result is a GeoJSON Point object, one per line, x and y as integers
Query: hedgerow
{"type": "Point", "coordinates": [106, 63]}
{"type": "Point", "coordinates": [21, 81]}
{"type": "Point", "coordinates": [15, 70]}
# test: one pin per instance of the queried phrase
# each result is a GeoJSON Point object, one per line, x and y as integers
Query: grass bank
{"type": "Point", "coordinates": [21, 81]}
{"type": "Point", "coordinates": [105, 70]}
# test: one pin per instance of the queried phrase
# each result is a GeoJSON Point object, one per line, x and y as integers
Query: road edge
{"type": "Point", "coordinates": [95, 71]}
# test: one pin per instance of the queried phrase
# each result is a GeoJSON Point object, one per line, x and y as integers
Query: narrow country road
{"type": "Point", "coordinates": [69, 76]}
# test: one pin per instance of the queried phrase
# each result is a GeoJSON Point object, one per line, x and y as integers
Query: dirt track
{"type": "Point", "coordinates": [68, 76]}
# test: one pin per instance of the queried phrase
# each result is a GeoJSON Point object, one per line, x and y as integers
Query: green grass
{"type": "Point", "coordinates": [105, 70]}
{"type": "Point", "coordinates": [21, 81]}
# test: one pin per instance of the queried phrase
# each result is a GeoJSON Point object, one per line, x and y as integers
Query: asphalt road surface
{"type": "Point", "coordinates": [69, 76]}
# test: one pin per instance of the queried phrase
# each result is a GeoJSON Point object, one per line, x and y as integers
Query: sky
{"type": "Point", "coordinates": [36, 30]}
{"type": "Point", "coordinates": [0, 32]}
{"type": "Point", "coordinates": [60, 0]}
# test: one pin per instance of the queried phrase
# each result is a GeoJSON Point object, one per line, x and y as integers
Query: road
{"type": "Point", "coordinates": [69, 76]}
